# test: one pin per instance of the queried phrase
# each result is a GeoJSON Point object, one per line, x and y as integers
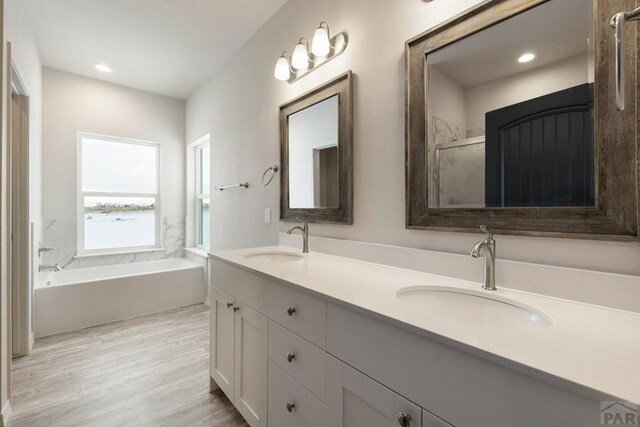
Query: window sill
{"type": "Point", "coordinates": [197, 251]}
{"type": "Point", "coordinates": [134, 251]}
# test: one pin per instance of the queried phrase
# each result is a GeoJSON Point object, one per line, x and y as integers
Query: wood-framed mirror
{"type": "Point", "coordinates": [511, 122]}
{"type": "Point", "coordinates": [316, 154]}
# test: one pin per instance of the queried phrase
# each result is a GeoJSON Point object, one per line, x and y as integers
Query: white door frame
{"type": "Point", "coordinates": [21, 246]}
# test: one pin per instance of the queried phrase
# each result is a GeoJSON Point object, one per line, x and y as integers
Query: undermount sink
{"type": "Point", "coordinates": [275, 256]}
{"type": "Point", "coordinates": [480, 308]}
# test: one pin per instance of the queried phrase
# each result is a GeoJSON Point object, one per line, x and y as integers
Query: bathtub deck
{"type": "Point", "coordinates": [149, 371]}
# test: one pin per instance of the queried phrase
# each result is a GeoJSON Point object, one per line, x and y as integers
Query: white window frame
{"type": "Point", "coordinates": [157, 196]}
{"type": "Point", "coordinates": [195, 149]}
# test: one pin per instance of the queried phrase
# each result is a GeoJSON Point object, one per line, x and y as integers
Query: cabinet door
{"type": "Point", "coordinates": [354, 400]}
{"type": "Point", "coordinates": [222, 341]}
{"type": "Point", "coordinates": [250, 373]}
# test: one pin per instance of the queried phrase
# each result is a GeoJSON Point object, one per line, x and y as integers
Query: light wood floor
{"type": "Point", "coordinates": [149, 371]}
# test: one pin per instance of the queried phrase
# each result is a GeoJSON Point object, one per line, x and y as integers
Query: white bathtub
{"type": "Point", "coordinates": [74, 299]}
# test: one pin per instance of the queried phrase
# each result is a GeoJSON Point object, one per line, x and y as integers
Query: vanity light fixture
{"type": "Point", "coordinates": [321, 45]}
{"type": "Point", "coordinates": [300, 58]}
{"type": "Point", "coordinates": [103, 68]}
{"type": "Point", "coordinates": [283, 69]}
{"type": "Point", "coordinates": [527, 57]}
{"type": "Point", "coordinates": [304, 60]}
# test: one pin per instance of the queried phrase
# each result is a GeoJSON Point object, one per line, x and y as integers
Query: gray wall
{"type": "Point", "coordinates": [238, 106]}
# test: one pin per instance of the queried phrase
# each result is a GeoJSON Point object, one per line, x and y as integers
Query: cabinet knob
{"type": "Point", "coordinates": [236, 308]}
{"type": "Point", "coordinates": [404, 420]}
{"type": "Point", "coordinates": [229, 304]}
{"type": "Point", "coordinates": [290, 357]}
{"type": "Point", "coordinates": [290, 406]}
{"type": "Point", "coordinates": [291, 311]}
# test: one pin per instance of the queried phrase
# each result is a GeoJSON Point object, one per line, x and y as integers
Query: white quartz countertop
{"type": "Point", "coordinates": [591, 349]}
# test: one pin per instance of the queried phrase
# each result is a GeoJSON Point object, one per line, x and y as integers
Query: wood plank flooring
{"type": "Point", "coordinates": [149, 371]}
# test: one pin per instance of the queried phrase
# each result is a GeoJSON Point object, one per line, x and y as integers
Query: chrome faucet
{"type": "Point", "coordinates": [487, 249]}
{"type": "Point", "coordinates": [42, 249]}
{"type": "Point", "coordinates": [51, 267]}
{"type": "Point", "coordinates": [305, 235]}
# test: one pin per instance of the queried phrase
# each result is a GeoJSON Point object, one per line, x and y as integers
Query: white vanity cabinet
{"type": "Point", "coordinates": [353, 399]}
{"type": "Point", "coordinates": [290, 357]}
{"type": "Point", "coordinates": [239, 342]}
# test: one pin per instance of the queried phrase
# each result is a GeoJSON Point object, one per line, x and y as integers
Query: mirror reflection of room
{"type": "Point", "coordinates": [313, 156]}
{"type": "Point", "coordinates": [510, 113]}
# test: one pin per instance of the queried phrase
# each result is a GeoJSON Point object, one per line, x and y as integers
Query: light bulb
{"type": "Point", "coordinates": [321, 46]}
{"type": "Point", "coordinates": [300, 58]}
{"type": "Point", "coordinates": [527, 57]}
{"type": "Point", "coordinates": [282, 71]}
{"type": "Point", "coordinates": [103, 68]}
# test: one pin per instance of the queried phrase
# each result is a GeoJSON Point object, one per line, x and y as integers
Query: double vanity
{"type": "Point", "coordinates": [321, 340]}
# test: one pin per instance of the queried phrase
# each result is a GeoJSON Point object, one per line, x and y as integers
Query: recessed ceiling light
{"type": "Point", "coordinates": [527, 57]}
{"type": "Point", "coordinates": [103, 68]}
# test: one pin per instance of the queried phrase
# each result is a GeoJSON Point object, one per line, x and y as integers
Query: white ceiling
{"type": "Point", "coordinates": [169, 47]}
{"type": "Point", "coordinates": [554, 31]}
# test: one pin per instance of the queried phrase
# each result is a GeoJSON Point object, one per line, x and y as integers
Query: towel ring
{"type": "Point", "coordinates": [274, 170]}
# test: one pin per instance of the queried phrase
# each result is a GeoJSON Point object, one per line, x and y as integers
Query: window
{"type": "Point", "coordinates": [203, 199]}
{"type": "Point", "coordinates": [119, 194]}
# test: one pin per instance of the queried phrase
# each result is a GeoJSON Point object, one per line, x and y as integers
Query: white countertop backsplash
{"type": "Point", "coordinates": [592, 287]}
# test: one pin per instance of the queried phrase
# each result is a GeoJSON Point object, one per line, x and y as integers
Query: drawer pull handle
{"type": "Point", "coordinates": [291, 311]}
{"type": "Point", "coordinates": [290, 406]}
{"type": "Point", "coordinates": [290, 357]}
{"type": "Point", "coordinates": [404, 420]}
{"type": "Point", "coordinates": [236, 308]}
{"type": "Point", "coordinates": [229, 304]}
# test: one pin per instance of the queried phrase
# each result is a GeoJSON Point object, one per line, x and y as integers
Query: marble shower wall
{"type": "Point", "coordinates": [61, 234]}
{"type": "Point", "coordinates": [443, 132]}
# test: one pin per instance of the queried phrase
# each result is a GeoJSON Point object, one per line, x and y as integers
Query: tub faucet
{"type": "Point", "coordinates": [487, 249]}
{"type": "Point", "coordinates": [49, 267]}
{"type": "Point", "coordinates": [305, 235]}
{"type": "Point", "coordinates": [42, 249]}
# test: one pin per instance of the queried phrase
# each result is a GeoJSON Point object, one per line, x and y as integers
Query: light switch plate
{"type": "Point", "coordinates": [267, 215]}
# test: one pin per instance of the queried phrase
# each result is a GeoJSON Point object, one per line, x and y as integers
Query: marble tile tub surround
{"type": "Point", "coordinates": [201, 257]}
{"type": "Point", "coordinates": [61, 234]}
{"type": "Point", "coordinates": [592, 287]}
{"type": "Point", "coordinates": [197, 255]}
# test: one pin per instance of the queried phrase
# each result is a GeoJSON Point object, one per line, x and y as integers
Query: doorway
{"type": "Point", "coordinates": [21, 244]}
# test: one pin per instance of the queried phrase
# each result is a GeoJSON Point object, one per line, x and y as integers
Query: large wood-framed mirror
{"type": "Point", "coordinates": [316, 154]}
{"type": "Point", "coordinates": [511, 122]}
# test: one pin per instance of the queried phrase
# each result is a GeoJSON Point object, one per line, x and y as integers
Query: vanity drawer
{"type": "Point", "coordinates": [308, 410]}
{"type": "Point", "coordinates": [251, 288]}
{"type": "Point", "coordinates": [305, 362]}
{"type": "Point", "coordinates": [297, 310]}
{"type": "Point", "coordinates": [300, 312]}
